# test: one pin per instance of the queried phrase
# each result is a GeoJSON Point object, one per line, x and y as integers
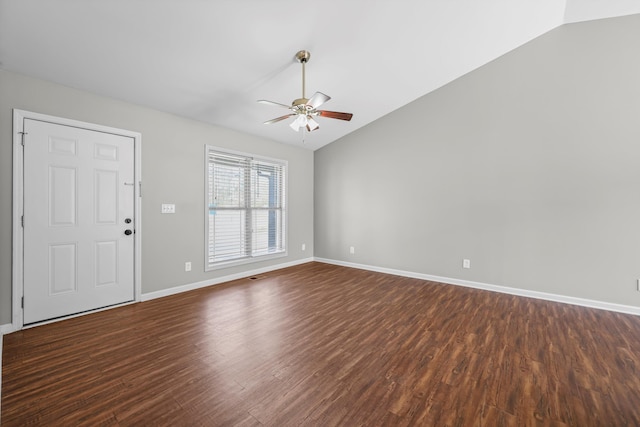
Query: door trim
{"type": "Point", "coordinates": [17, 276]}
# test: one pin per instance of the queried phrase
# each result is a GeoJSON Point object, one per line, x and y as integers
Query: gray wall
{"type": "Point", "coordinates": [172, 172]}
{"type": "Point", "coordinates": [528, 166]}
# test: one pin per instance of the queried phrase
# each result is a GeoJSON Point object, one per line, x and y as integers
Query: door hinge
{"type": "Point", "coordinates": [22, 303]}
{"type": "Point", "coordinates": [22, 134]}
{"type": "Point", "coordinates": [22, 221]}
{"type": "Point", "coordinates": [139, 188]}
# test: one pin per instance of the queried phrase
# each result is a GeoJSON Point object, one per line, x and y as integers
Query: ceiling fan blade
{"type": "Point", "coordinates": [317, 100]}
{"type": "Point", "coordinates": [277, 119]}
{"type": "Point", "coordinates": [335, 115]}
{"type": "Point", "coordinates": [277, 104]}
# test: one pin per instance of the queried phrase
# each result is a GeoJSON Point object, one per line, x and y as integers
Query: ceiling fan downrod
{"type": "Point", "coordinates": [303, 57]}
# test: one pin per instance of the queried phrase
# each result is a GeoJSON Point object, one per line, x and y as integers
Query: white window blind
{"type": "Point", "coordinates": [245, 208]}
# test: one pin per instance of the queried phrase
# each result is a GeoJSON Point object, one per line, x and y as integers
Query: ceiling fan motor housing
{"type": "Point", "coordinates": [300, 106]}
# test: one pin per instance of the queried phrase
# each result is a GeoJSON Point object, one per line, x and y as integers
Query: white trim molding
{"type": "Point", "coordinates": [219, 280]}
{"type": "Point", "coordinates": [1, 372]}
{"type": "Point", "coordinates": [602, 305]}
{"type": "Point", "coordinates": [6, 329]}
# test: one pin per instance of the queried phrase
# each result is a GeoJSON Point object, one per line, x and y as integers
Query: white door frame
{"type": "Point", "coordinates": [17, 279]}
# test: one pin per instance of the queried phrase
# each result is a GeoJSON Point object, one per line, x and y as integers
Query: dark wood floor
{"type": "Point", "coordinates": [324, 345]}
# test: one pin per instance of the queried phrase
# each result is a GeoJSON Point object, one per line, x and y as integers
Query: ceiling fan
{"type": "Point", "coordinates": [304, 110]}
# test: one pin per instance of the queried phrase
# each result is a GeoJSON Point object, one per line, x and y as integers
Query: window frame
{"type": "Point", "coordinates": [248, 259]}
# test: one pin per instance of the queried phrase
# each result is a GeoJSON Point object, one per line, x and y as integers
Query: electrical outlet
{"type": "Point", "coordinates": [187, 266]}
{"type": "Point", "coordinates": [304, 247]}
{"type": "Point", "coordinates": [352, 250]}
{"type": "Point", "coordinates": [466, 263]}
{"type": "Point", "coordinates": [168, 208]}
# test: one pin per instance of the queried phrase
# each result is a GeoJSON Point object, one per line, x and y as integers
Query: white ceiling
{"type": "Point", "coordinates": [211, 60]}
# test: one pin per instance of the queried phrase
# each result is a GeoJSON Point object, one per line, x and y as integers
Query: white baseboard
{"type": "Point", "coordinates": [219, 280]}
{"type": "Point", "coordinates": [6, 329]}
{"type": "Point", "coordinates": [602, 305]}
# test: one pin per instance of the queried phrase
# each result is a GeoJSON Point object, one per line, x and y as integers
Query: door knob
{"type": "Point", "coordinates": [128, 232]}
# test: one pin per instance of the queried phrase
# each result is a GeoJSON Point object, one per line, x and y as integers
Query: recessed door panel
{"type": "Point", "coordinates": [62, 196]}
{"type": "Point", "coordinates": [77, 194]}
{"type": "Point", "coordinates": [106, 152]}
{"type": "Point", "coordinates": [62, 146]}
{"type": "Point", "coordinates": [106, 263]}
{"type": "Point", "coordinates": [106, 196]}
{"type": "Point", "coordinates": [62, 269]}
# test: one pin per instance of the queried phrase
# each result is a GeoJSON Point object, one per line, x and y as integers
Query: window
{"type": "Point", "coordinates": [245, 208]}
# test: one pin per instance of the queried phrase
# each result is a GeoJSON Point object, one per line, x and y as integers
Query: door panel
{"type": "Point", "coordinates": [106, 263]}
{"type": "Point", "coordinates": [62, 269]}
{"type": "Point", "coordinates": [62, 196]}
{"type": "Point", "coordinates": [106, 197]}
{"type": "Point", "coordinates": [78, 191]}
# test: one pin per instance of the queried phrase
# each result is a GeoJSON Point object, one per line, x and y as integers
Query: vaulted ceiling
{"type": "Point", "coordinates": [211, 60]}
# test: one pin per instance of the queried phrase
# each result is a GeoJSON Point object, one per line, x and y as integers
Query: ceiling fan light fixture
{"type": "Point", "coordinates": [312, 124]}
{"type": "Point", "coordinates": [304, 108]}
{"type": "Point", "coordinates": [299, 122]}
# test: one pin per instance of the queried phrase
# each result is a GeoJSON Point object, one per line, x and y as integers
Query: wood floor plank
{"type": "Point", "coordinates": [322, 345]}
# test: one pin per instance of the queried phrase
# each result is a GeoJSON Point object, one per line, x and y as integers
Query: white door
{"type": "Point", "coordinates": [78, 205]}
